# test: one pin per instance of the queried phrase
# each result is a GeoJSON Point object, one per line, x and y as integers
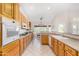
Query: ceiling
{"type": "Point", "coordinates": [48, 11]}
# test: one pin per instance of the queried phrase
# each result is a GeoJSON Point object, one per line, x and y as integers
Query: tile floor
{"type": "Point", "coordinates": [36, 49]}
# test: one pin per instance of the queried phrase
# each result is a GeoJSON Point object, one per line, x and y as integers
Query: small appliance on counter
{"type": "Point", "coordinates": [23, 32]}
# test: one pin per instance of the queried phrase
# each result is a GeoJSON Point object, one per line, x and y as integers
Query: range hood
{"type": "Point", "coordinates": [40, 25]}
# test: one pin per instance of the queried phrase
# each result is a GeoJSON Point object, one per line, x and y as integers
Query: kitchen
{"type": "Point", "coordinates": [39, 29]}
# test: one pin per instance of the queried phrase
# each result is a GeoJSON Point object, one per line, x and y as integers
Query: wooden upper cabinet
{"type": "Point", "coordinates": [20, 18]}
{"type": "Point", "coordinates": [24, 22]}
{"type": "Point", "coordinates": [0, 8]}
{"type": "Point", "coordinates": [7, 9]}
{"type": "Point", "coordinates": [16, 12]}
{"type": "Point", "coordinates": [30, 25]}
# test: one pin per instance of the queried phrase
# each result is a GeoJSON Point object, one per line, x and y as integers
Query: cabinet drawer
{"type": "Point", "coordinates": [68, 54]}
{"type": "Point", "coordinates": [70, 50]}
{"type": "Point", "coordinates": [55, 42]}
{"type": "Point", "coordinates": [60, 43]}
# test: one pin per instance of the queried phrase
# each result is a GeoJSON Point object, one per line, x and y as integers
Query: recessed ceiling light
{"type": "Point", "coordinates": [48, 8]}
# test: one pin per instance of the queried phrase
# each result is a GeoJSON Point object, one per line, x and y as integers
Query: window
{"type": "Point", "coordinates": [61, 28]}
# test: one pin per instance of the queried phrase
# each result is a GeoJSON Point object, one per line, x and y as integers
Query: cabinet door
{"type": "Point", "coordinates": [16, 12]}
{"type": "Point", "coordinates": [60, 49]}
{"type": "Point", "coordinates": [11, 49]}
{"type": "Point", "coordinates": [71, 50]}
{"type": "Point", "coordinates": [67, 53]}
{"type": "Point", "coordinates": [0, 38]}
{"type": "Point", "coordinates": [44, 39]}
{"type": "Point", "coordinates": [30, 25]}
{"type": "Point", "coordinates": [78, 53]}
{"type": "Point", "coordinates": [55, 47]}
{"type": "Point", "coordinates": [20, 19]}
{"type": "Point", "coordinates": [0, 8]}
{"type": "Point", "coordinates": [21, 46]}
{"type": "Point", "coordinates": [7, 9]}
{"type": "Point", "coordinates": [52, 43]}
{"type": "Point", "coordinates": [13, 52]}
{"type": "Point", "coordinates": [25, 43]}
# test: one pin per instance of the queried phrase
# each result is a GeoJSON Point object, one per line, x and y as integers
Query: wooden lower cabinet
{"type": "Point", "coordinates": [21, 46]}
{"type": "Point", "coordinates": [78, 53]}
{"type": "Point", "coordinates": [60, 49]}
{"type": "Point", "coordinates": [23, 43]}
{"type": "Point", "coordinates": [17, 47]}
{"type": "Point", "coordinates": [44, 39]}
{"type": "Point", "coordinates": [11, 49]}
{"type": "Point", "coordinates": [67, 53]}
{"type": "Point", "coordinates": [52, 42]}
{"type": "Point", "coordinates": [70, 50]}
{"type": "Point", "coordinates": [56, 50]}
{"type": "Point", "coordinates": [14, 52]}
{"type": "Point", "coordinates": [55, 46]}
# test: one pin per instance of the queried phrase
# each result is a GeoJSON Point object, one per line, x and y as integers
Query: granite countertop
{"type": "Point", "coordinates": [74, 43]}
{"type": "Point", "coordinates": [24, 35]}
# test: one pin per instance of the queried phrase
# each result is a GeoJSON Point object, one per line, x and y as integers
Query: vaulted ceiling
{"type": "Point", "coordinates": [48, 11]}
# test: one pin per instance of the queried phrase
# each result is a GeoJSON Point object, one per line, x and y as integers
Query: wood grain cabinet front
{"type": "Point", "coordinates": [72, 51]}
{"type": "Point", "coordinates": [44, 39]}
{"type": "Point", "coordinates": [11, 49]}
{"type": "Point", "coordinates": [30, 25]}
{"type": "Point", "coordinates": [25, 42]}
{"type": "Point", "coordinates": [7, 9]}
{"type": "Point", "coordinates": [60, 49]}
{"type": "Point", "coordinates": [78, 53]}
{"type": "Point", "coordinates": [52, 42]}
{"type": "Point", "coordinates": [0, 8]}
{"type": "Point", "coordinates": [16, 12]}
{"type": "Point", "coordinates": [13, 52]}
{"type": "Point", "coordinates": [21, 46]}
{"type": "Point", "coordinates": [67, 53]}
{"type": "Point", "coordinates": [55, 47]}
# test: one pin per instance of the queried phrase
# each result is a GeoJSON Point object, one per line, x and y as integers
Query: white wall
{"type": "Point", "coordinates": [68, 20]}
